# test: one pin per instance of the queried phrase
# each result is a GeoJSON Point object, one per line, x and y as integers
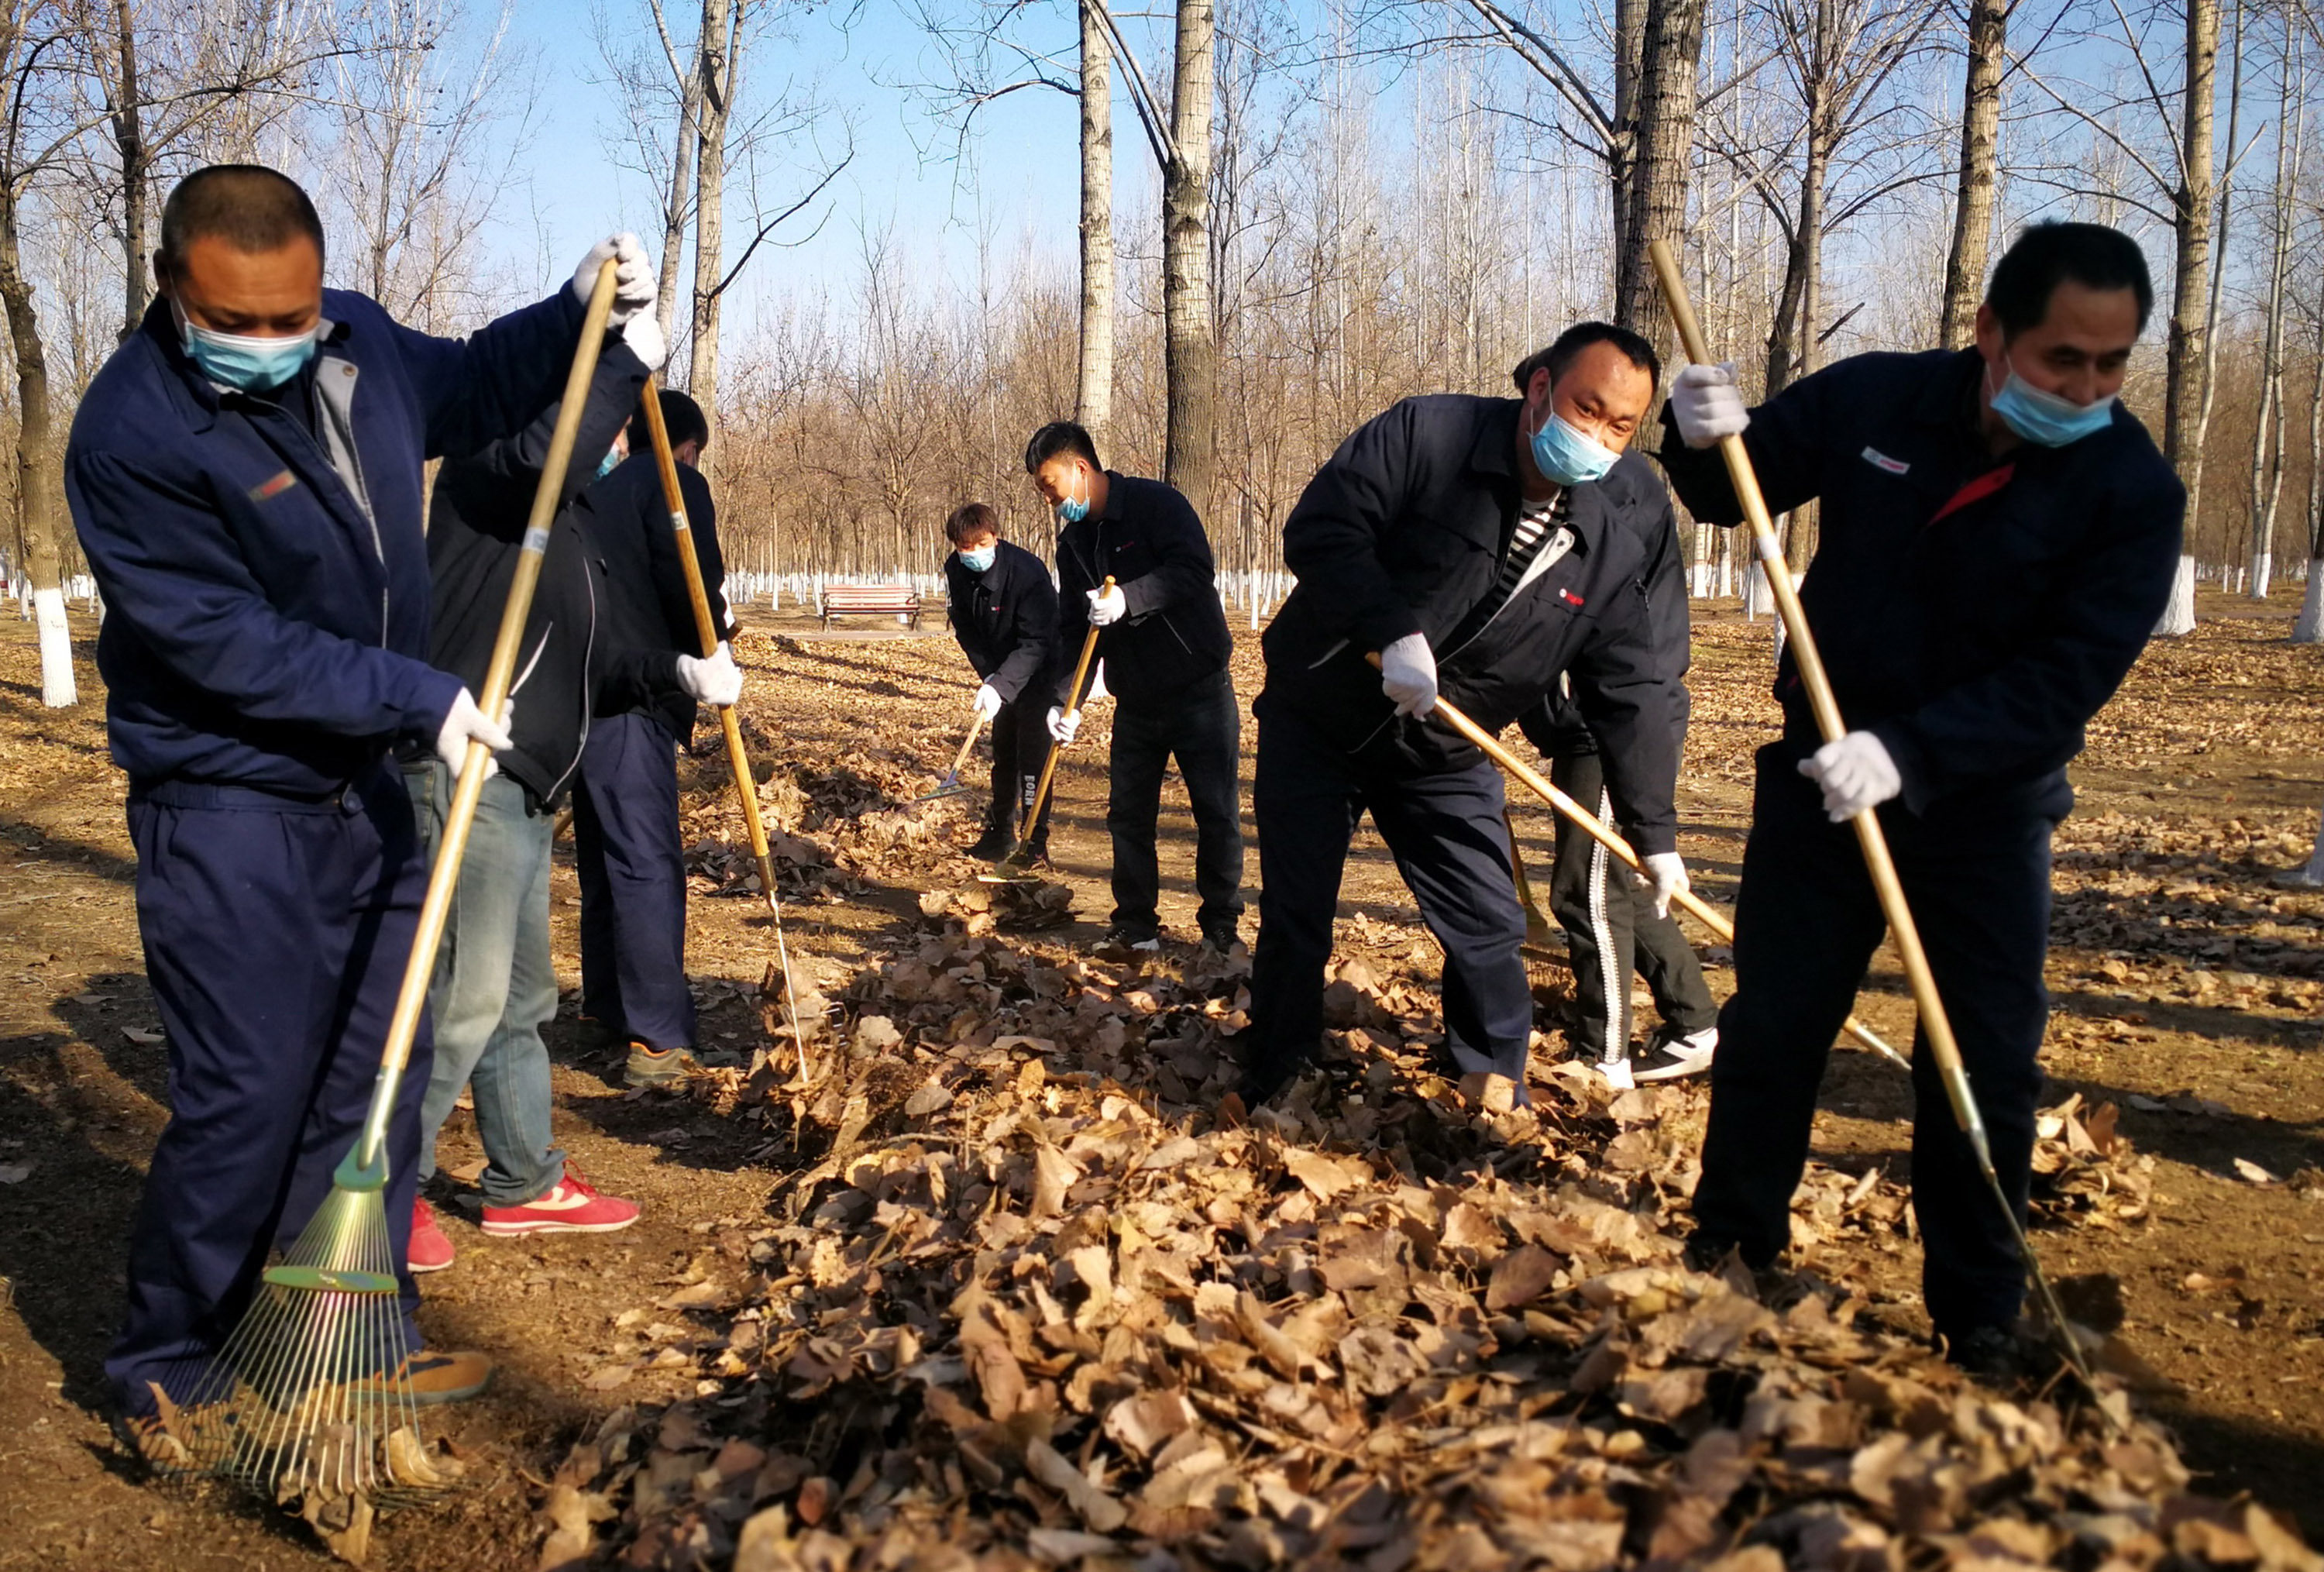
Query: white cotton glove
{"type": "Point", "coordinates": [1409, 675]}
{"type": "Point", "coordinates": [1107, 606]}
{"type": "Point", "coordinates": [988, 702]}
{"type": "Point", "coordinates": [1856, 772]}
{"type": "Point", "coordinates": [642, 334]}
{"type": "Point", "coordinates": [1664, 876]}
{"type": "Point", "coordinates": [1063, 723]}
{"type": "Point", "coordinates": [1708, 404]}
{"type": "Point", "coordinates": [635, 287]}
{"type": "Point", "coordinates": [716, 680]}
{"type": "Point", "coordinates": [464, 724]}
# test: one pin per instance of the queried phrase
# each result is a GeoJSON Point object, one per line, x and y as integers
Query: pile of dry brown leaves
{"type": "Point", "coordinates": [1026, 1302]}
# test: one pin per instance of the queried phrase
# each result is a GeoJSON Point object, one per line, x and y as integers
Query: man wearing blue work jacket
{"type": "Point", "coordinates": [246, 475]}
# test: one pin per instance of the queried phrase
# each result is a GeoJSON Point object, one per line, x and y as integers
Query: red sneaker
{"type": "Point", "coordinates": [431, 1251]}
{"type": "Point", "coordinates": [572, 1205]}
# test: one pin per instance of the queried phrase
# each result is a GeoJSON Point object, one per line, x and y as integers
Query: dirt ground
{"type": "Point", "coordinates": [2187, 992]}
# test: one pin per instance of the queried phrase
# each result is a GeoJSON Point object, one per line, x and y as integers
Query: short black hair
{"type": "Point", "coordinates": [1059, 437]}
{"type": "Point", "coordinates": [680, 414]}
{"type": "Point", "coordinates": [2097, 256]}
{"type": "Point", "coordinates": [969, 520]}
{"type": "Point", "coordinates": [1571, 343]}
{"type": "Point", "coordinates": [248, 206]}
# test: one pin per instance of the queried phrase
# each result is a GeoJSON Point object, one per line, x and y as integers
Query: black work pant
{"type": "Point", "coordinates": [1451, 843]}
{"type": "Point", "coordinates": [1020, 747]}
{"type": "Point", "coordinates": [1202, 729]}
{"type": "Point", "coordinates": [1806, 925]}
{"type": "Point", "coordinates": [1611, 928]}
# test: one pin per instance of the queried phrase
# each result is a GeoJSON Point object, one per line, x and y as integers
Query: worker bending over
{"type": "Point", "coordinates": [1999, 536]}
{"type": "Point", "coordinates": [1003, 610]}
{"type": "Point", "coordinates": [1486, 547]}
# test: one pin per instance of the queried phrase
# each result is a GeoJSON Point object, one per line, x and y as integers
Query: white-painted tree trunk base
{"type": "Point", "coordinates": [57, 689]}
{"type": "Point", "coordinates": [2263, 573]}
{"type": "Point", "coordinates": [2179, 612]}
{"type": "Point", "coordinates": [2307, 628]}
{"type": "Point", "coordinates": [1757, 599]}
{"type": "Point", "coordinates": [2312, 877]}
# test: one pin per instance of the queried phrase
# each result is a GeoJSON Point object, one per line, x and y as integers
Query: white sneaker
{"type": "Point", "coordinates": [1669, 1057]}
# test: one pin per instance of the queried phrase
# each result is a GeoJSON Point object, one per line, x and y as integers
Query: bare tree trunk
{"type": "Point", "coordinates": [1093, 401]}
{"type": "Point", "coordinates": [2309, 628]}
{"type": "Point", "coordinates": [137, 168]}
{"type": "Point", "coordinates": [714, 64]}
{"type": "Point", "coordinates": [2268, 435]}
{"type": "Point", "coordinates": [1190, 348]}
{"type": "Point", "coordinates": [2188, 359]}
{"type": "Point", "coordinates": [40, 484]}
{"type": "Point", "coordinates": [1665, 141]}
{"type": "Point", "coordinates": [1988, 37]}
{"type": "Point", "coordinates": [674, 211]}
{"type": "Point", "coordinates": [1800, 532]}
{"type": "Point", "coordinates": [1622, 148]}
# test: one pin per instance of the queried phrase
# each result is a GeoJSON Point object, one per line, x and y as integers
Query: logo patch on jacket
{"type": "Point", "coordinates": [267, 490]}
{"type": "Point", "coordinates": [1879, 460]}
{"type": "Point", "coordinates": [1570, 598]}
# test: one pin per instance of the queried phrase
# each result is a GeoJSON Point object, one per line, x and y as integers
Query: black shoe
{"type": "Point", "coordinates": [1672, 1055]}
{"type": "Point", "coordinates": [991, 845]}
{"type": "Point", "coordinates": [1221, 936]}
{"type": "Point", "coordinates": [1124, 942]}
{"type": "Point", "coordinates": [1988, 1354]}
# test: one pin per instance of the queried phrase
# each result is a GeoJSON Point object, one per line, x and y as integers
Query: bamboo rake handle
{"type": "Point", "coordinates": [1049, 766]}
{"type": "Point", "coordinates": [451, 847]}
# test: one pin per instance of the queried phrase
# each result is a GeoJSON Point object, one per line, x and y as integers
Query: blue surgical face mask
{"type": "Point", "coordinates": [983, 559]}
{"type": "Point", "coordinates": [2048, 418]}
{"type": "Point", "coordinates": [1073, 510]}
{"type": "Point", "coordinates": [609, 463]}
{"type": "Point", "coordinates": [252, 365]}
{"type": "Point", "coordinates": [1568, 456]}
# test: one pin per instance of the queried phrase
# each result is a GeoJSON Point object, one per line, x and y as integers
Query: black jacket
{"type": "Point", "coordinates": [476, 532]}
{"type": "Point", "coordinates": [648, 606]}
{"type": "Point", "coordinates": [1175, 633]}
{"type": "Point", "coordinates": [1005, 618]}
{"type": "Point", "coordinates": [1975, 646]}
{"type": "Point", "coordinates": [1404, 531]}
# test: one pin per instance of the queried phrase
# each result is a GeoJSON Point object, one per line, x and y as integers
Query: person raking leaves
{"type": "Point", "coordinates": [246, 475]}
{"type": "Point", "coordinates": [1488, 546]}
{"type": "Point", "coordinates": [1003, 610]}
{"type": "Point", "coordinates": [1997, 539]}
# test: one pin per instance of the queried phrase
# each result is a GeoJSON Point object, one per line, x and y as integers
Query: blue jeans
{"type": "Point", "coordinates": [495, 986]}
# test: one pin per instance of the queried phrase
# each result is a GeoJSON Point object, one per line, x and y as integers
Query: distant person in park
{"type": "Point", "coordinates": [1611, 931]}
{"type": "Point", "coordinates": [1997, 537]}
{"type": "Point", "coordinates": [1163, 639]}
{"type": "Point", "coordinates": [625, 830]}
{"type": "Point", "coordinates": [245, 474]}
{"type": "Point", "coordinates": [1483, 548]}
{"type": "Point", "coordinates": [495, 984]}
{"type": "Point", "coordinates": [1004, 612]}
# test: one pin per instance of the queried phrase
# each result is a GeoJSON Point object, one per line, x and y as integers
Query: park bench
{"type": "Point", "coordinates": [869, 600]}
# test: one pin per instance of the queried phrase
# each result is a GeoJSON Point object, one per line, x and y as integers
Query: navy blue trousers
{"type": "Point", "coordinates": [632, 882]}
{"type": "Point", "coordinates": [276, 936]}
{"type": "Point", "coordinates": [1806, 925]}
{"type": "Point", "coordinates": [1451, 844]}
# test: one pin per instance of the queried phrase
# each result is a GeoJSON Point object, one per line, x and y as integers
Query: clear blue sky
{"type": "Point", "coordinates": [1023, 177]}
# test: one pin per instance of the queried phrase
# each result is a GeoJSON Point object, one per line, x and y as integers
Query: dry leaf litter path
{"type": "Point", "coordinates": [986, 1282]}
